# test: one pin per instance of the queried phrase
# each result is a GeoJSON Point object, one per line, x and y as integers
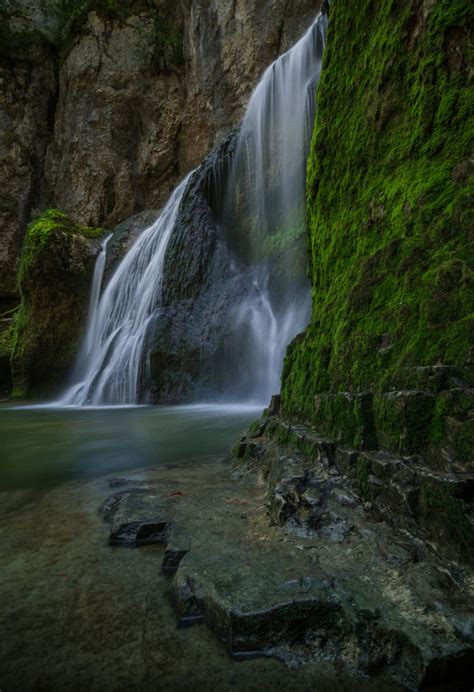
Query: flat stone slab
{"type": "Point", "coordinates": [351, 588]}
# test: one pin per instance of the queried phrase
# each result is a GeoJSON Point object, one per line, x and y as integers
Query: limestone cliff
{"type": "Point", "coordinates": [105, 105]}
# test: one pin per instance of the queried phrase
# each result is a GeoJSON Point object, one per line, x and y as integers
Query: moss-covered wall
{"type": "Point", "coordinates": [390, 178]}
{"type": "Point", "coordinates": [56, 268]}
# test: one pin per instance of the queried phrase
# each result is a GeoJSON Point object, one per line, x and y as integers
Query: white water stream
{"type": "Point", "coordinates": [268, 183]}
{"type": "Point", "coordinates": [269, 167]}
{"type": "Point", "coordinates": [108, 367]}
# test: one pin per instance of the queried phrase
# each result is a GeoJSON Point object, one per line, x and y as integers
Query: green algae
{"type": "Point", "coordinates": [389, 203]}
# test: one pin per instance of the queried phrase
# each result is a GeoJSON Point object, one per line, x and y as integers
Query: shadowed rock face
{"type": "Point", "coordinates": [27, 97]}
{"type": "Point", "coordinates": [104, 125]}
{"type": "Point", "coordinates": [202, 283]}
{"type": "Point", "coordinates": [123, 237]}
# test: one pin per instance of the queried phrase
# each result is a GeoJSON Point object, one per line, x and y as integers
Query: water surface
{"type": "Point", "coordinates": [79, 615]}
{"type": "Point", "coordinates": [44, 446]}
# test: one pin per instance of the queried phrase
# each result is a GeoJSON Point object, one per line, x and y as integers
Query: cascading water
{"type": "Point", "coordinates": [109, 364]}
{"type": "Point", "coordinates": [264, 212]}
{"type": "Point", "coordinates": [263, 208]}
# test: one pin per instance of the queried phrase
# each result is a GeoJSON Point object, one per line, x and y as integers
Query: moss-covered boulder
{"type": "Point", "coordinates": [390, 223]}
{"type": "Point", "coordinates": [6, 346]}
{"type": "Point", "coordinates": [56, 268]}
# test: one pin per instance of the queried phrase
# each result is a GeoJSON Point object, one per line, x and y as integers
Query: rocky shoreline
{"type": "Point", "coordinates": [281, 553]}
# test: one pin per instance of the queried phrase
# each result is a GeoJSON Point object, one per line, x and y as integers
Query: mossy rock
{"type": "Point", "coordinates": [6, 348]}
{"type": "Point", "coordinates": [389, 212]}
{"type": "Point", "coordinates": [444, 514]}
{"type": "Point", "coordinates": [55, 276]}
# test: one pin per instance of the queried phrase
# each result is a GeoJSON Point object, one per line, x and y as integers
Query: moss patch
{"type": "Point", "coordinates": [389, 202]}
{"type": "Point", "coordinates": [445, 515]}
{"type": "Point", "coordinates": [55, 273]}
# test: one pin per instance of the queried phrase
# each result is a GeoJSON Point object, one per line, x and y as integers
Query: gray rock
{"type": "Point", "coordinates": [354, 589]}
{"type": "Point", "coordinates": [123, 237]}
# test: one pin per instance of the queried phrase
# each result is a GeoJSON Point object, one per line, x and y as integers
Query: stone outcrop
{"type": "Point", "coordinates": [56, 269]}
{"type": "Point", "coordinates": [186, 341]}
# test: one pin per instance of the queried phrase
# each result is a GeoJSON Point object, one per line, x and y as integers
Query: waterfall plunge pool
{"type": "Point", "coordinates": [43, 446]}
{"type": "Point", "coordinates": [79, 614]}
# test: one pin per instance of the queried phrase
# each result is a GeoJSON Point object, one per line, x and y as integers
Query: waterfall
{"type": "Point", "coordinates": [265, 211]}
{"type": "Point", "coordinates": [262, 222]}
{"type": "Point", "coordinates": [108, 367]}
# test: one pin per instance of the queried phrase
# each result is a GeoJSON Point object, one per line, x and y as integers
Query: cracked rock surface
{"type": "Point", "coordinates": [326, 581]}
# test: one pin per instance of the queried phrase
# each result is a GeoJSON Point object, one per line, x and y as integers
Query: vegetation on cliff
{"type": "Point", "coordinates": [68, 15]}
{"type": "Point", "coordinates": [54, 279]}
{"type": "Point", "coordinates": [390, 225]}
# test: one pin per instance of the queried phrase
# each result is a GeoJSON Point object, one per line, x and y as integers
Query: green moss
{"type": "Point", "coordinates": [403, 420]}
{"type": "Point", "coordinates": [6, 342]}
{"type": "Point", "coordinates": [389, 203]}
{"type": "Point", "coordinates": [445, 514]}
{"type": "Point", "coordinates": [347, 418]}
{"type": "Point", "coordinates": [362, 474]}
{"type": "Point", "coordinates": [42, 230]}
{"type": "Point", "coordinates": [54, 277]}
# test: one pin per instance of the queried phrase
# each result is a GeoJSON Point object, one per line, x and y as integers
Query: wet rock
{"type": "Point", "coordinates": [123, 237]}
{"type": "Point", "coordinates": [58, 262]}
{"type": "Point", "coordinates": [138, 520]}
{"type": "Point", "coordinates": [186, 340]}
{"type": "Point", "coordinates": [332, 581]}
{"type": "Point", "coordinates": [178, 545]}
{"type": "Point", "coordinates": [275, 405]}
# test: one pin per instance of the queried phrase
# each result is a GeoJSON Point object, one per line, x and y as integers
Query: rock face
{"type": "Point", "coordinates": [56, 270]}
{"type": "Point", "coordinates": [386, 362]}
{"type": "Point", "coordinates": [28, 86]}
{"type": "Point", "coordinates": [6, 333]}
{"type": "Point", "coordinates": [102, 111]}
{"type": "Point", "coordinates": [186, 342]}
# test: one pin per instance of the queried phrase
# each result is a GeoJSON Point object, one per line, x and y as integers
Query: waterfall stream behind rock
{"type": "Point", "coordinates": [109, 363]}
{"type": "Point", "coordinates": [262, 222]}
